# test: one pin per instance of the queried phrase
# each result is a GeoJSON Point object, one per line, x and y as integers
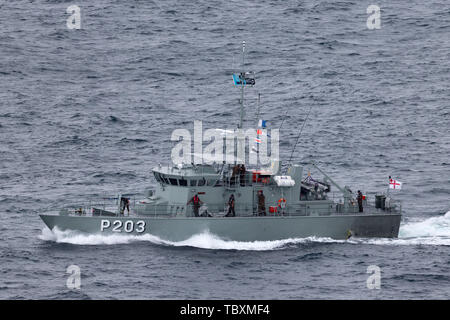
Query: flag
{"type": "Point", "coordinates": [262, 123]}
{"type": "Point", "coordinates": [258, 141]}
{"type": "Point", "coordinates": [261, 133]}
{"type": "Point", "coordinates": [243, 79]}
{"type": "Point", "coordinates": [395, 184]}
{"type": "Point", "coordinates": [236, 79]}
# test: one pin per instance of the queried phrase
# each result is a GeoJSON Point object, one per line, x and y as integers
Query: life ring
{"type": "Point", "coordinates": [282, 203]}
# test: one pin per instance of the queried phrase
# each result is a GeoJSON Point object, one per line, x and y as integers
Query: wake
{"type": "Point", "coordinates": [205, 240]}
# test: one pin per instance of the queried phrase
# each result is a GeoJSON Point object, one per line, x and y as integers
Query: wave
{"type": "Point", "coordinates": [205, 240]}
{"type": "Point", "coordinates": [432, 231]}
{"type": "Point", "coordinates": [78, 238]}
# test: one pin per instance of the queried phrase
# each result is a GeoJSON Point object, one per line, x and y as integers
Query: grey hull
{"type": "Point", "coordinates": [235, 228]}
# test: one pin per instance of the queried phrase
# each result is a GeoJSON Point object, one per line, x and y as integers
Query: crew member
{"type": "Point", "coordinates": [231, 212]}
{"type": "Point", "coordinates": [261, 204]}
{"type": "Point", "coordinates": [242, 174]}
{"type": "Point", "coordinates": [316, 191]}
{"type": "Point", "coordinates": [360, 201]}
{"type": "Point", "coordinates": [236, 170]}
{"type": "Point", "coordinates": [196, 202]}
{"type": "Point", "coordinates": [125, 205]}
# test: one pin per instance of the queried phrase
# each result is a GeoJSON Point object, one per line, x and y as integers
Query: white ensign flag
{"type": "Point", "coordinates": [395, 184]}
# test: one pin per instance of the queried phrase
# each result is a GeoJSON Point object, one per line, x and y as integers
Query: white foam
{"type": "Point", "coordinates": [432, 231]}
{"type": "Point", "coordinates": [207, 240]}
{"type": "Point", "coordinates": [431, 227]}
{"type": "Point", "coordinates": [204, 240]}
{"type": "Point", "coordinates": [74, 237]}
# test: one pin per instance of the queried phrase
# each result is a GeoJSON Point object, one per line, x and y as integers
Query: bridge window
{"type": "Point", "coordinates": [201, 182]}
{"type": "Point", "coordinates": [193, 183]}
{"type": "Point", "coordinates": [173, 181]}
{"type": "Point", "coordinates": [182, 182]}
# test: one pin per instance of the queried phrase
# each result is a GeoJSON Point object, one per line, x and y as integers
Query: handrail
{"type": "Point", "coordinates": [248, 209]}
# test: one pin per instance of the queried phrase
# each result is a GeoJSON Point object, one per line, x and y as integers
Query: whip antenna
{"type": "Point", "coordinates": [299, 134]}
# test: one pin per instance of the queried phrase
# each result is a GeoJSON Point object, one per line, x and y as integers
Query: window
{"type": "Point", "coordinates": [157, 177]}
{"type": "Point", "coordinates": [201, 182]}
{"type": "Point", "coordinates": [182, 182]}
{"type": "Point", "coordinates": [193, 183]}
{"type": "Point", "coordinates": [173, 181]}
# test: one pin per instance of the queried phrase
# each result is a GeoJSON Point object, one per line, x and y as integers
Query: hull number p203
{"type": "Point", "coordinates": [123, 226]}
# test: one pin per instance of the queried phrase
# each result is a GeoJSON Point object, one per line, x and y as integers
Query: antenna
{"type": "Point", "coordinates": [284, 118]}
{"type": "Point", "coordinates": [299, 134]}
{"type": "Point", "coordinates": [258, 106]}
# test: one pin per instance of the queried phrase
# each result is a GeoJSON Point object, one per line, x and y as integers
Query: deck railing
{"type": "Point", "coordinates": [109, 206]}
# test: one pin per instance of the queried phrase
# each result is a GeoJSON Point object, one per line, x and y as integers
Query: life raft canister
{"type": "Point", "coordinates": [282, 203]}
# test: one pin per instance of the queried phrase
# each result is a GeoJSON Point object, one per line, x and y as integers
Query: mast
{"type": "Point", "coordinates": [242, 88]}
{"type": "Point", "coordinates": [242, 79]}
{"type": "Point", "coordinates": [257, 134]}
{"type": "Point", "coordinates": [258, 106]}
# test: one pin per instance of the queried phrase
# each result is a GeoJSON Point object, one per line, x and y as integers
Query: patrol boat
{"type": "Point", "coordinates": [234, 203]}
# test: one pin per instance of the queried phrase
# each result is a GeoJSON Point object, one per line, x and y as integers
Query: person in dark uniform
{"type": "Point", "coordinates": [261, 204]}
{"type": "Point", "coordinates": [236, 170]}
{"type": "Point", "coordinates": [360, 201]}
{"type": "Point", "coordinates": [125, 204]}
{"type": "Point", "coordinates": [242, 174]}
{"type": "Point", "coordinates": [196, 202]}
{"type": "Point", "coordinates": [316, 191]}
{"type": "Point", "coordinates": [231, 212]}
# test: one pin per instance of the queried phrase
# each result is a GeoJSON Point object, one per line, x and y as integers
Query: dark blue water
{"type": "Point", "coordinates": [89, 112]}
